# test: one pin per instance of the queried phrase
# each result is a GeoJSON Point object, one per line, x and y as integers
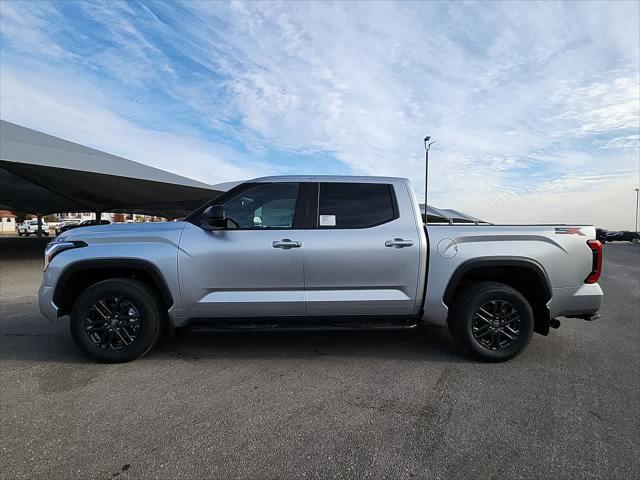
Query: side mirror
{"type": "Point", "coordinates": [213, 218]}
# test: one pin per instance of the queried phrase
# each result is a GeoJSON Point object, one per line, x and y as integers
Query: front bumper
{"type": "Point", "coordinates": [45, 302]}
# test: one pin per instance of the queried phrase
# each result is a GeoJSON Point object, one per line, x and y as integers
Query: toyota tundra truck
{"type": "Point", "coordinates": [319, 251]}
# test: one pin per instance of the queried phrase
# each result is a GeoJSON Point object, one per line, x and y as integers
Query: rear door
{"type": "Point", "coordinates": [361, 255]}
{"type": "Point", "coordinates": [253, 268]}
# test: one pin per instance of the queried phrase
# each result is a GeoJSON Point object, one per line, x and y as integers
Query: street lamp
{"type": "Point", "coordinates": [427, 147]}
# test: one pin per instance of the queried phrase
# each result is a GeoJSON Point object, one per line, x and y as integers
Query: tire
{"type": "Point", "coordinates": [492, 321]}
{"type": "Point", "coordinates": [19, 234]}
{"type": "Point", "coordinates": [122, 338]}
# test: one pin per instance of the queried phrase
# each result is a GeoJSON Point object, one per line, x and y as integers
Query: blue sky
{"type": "Point", "coordinates": [535, 106]}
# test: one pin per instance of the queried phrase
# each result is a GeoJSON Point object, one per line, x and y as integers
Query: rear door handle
{"type": "Point", "coordinates": [398, 243]}
{"type": "Point", "coordinates": [286, 244]}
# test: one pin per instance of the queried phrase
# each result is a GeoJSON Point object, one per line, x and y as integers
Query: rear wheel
{"type": "Point", "coordinates": [116, 320]}
{"type": "Point", "coordinates": [493, 321]}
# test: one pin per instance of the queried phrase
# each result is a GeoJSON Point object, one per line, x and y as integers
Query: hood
{"type": "Point", "coordinates": [118, 230]}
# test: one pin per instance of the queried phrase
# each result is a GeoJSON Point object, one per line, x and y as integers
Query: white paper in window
{"type": "Point", "coordinates": [327, 220]}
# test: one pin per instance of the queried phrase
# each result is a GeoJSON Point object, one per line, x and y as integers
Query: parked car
{"type": "Point", "coordinates": [622, 236]}
{"type": "Point", "coordinates": [30, 227]}
{"type": "Point", "coordinates": [86, 223]}
{"type": "Point", "coordinates": [313, 251]}
{"type": "Point", "coordinates": [601, 235]}
{"type": "Point", "coordinates": [62, 226]}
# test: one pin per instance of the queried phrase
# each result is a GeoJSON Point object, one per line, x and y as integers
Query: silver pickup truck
{"type": "Point", "coordinates": [319, 251]}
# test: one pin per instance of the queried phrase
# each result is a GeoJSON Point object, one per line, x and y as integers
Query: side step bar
{"type": "Point", "coordinates": [275, 328]}
{"type": "Point", "coordinates": [268, 325]}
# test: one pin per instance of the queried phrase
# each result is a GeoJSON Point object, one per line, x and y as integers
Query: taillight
{"type": "Point", "coordinates": [596, 265]}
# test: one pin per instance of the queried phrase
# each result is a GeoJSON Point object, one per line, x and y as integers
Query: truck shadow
{"type": "Point", "coordinates": [429, 344]}
{"type": "Point", "coordinates": [425, 344]}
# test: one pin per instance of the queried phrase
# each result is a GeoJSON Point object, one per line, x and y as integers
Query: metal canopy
{"type": "Point", "coordinates": [447, 215]}
{"type": "Point", "coordinates": [43, 174]}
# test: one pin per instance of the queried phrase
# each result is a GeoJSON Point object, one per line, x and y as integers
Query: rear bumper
{"type": "Point", "coordinates": [45, 302]}
{"type": "Point", "coordinates": [580, 302]}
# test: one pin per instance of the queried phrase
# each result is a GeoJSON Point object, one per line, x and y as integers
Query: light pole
{"type": "Point", "coordinates": [427, 147]}
{"type": "Point", "coordinates": [637, 207]}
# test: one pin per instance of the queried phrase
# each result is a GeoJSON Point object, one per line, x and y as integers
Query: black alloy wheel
{"type": "Point", "coordinates": [496, 325]}
{"type": "Point", "coordinates": [116, 320]}
{"type": "Point", "coordinates": [492, 321]}
{"type": "Point", "coordinates": [112, 323]}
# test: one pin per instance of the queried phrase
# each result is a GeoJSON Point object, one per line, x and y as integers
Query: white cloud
{"type": "Point", "coordinates": [28, 25]}
{"type": "Point", "coordinates": [627, 141]}
{"type": "Point", "coordinates": [583, 184]}
{"type": "Point", "coordinates": [602, 107]}
{"type": "Point", "coordinates": [524, 101]}
{"type": "Point", "coordinates": [369, 83]}
{"type": "Point", "coordinates": [76, 113]}
{"type": "Point", "coordinates": [609, 204]}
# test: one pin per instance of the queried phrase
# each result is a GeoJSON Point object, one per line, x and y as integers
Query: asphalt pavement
{"type": "Point", "coordinates": [320, 405]}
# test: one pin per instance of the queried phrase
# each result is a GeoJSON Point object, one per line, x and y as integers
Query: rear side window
{"type": "Point", "coordinates": [355, 205]}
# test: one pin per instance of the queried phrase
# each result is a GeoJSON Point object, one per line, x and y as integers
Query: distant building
{"type": "Point", "coordinates": [7, 221]}
{"type": "Point", "coordinates": [82, 216]}
{"type": "Point", "coordinates": [112, 217]}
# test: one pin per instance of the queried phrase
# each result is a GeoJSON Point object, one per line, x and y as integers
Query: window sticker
{"type": "Point", "coordinates": [327, 220]}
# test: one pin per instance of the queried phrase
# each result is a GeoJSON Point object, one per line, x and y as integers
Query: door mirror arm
{"type": "Point", "coordinates": [213, 218]}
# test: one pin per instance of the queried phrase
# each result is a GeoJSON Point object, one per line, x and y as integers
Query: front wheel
{"type": "Point", "coordinates": [493, 321]}
{"type": "Point", "coordinates": [116, 320]}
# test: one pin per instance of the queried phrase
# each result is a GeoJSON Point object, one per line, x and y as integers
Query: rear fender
{"type": "Point", "coordinates": [538, 292]}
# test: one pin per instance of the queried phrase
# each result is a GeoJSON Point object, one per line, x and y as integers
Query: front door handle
{"type": "Point", "coordinates": [398, 243]}
{"type": "Point", "coordinates": [286, 244]}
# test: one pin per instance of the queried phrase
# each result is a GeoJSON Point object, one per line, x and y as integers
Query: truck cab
{"type": "Point", "coordinates": [289, 246]}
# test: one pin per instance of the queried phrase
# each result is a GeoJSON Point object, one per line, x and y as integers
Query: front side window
{"type": "Point", "coordinates": [264, 206]}
{"type": "Point", "coordinates": [355, 205]}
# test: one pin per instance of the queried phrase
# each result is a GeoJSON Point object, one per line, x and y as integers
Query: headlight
{"type": "Point", "coordinates": [54, 248]}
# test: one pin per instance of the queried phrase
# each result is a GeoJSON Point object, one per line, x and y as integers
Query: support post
{"type": "Point", "coordinates": [427, 147]}
{"type": "Point", "coordinates": [426, 180]}
{"type": "Point", "coordinates": [39, 226]}
{"type": "Point", "coordinates": [636, 240]}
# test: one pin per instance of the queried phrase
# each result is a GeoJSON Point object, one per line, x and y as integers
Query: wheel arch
{"type": "Point", "coordinates": [524, 274]}
{"type": "Point", "coordinates": [78, 276]}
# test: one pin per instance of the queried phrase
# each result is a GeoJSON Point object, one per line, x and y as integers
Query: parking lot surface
{"type": "Point", "coordinates": [318, 405]}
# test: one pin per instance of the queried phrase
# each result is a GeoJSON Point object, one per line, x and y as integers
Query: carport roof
{"type": "Point", "coordinates": [440, 215]}
{"type": "Point", "coordinates": [43, 174]}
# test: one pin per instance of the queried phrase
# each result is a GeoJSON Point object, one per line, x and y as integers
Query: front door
{"type": "Point", "coordinates": [252, 268]}
{"type": "Point", "coordinates": [361, 255]}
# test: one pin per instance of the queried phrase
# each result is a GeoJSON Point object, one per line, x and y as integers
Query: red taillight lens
{"type": "Point", "coordinates": [596, 266]}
